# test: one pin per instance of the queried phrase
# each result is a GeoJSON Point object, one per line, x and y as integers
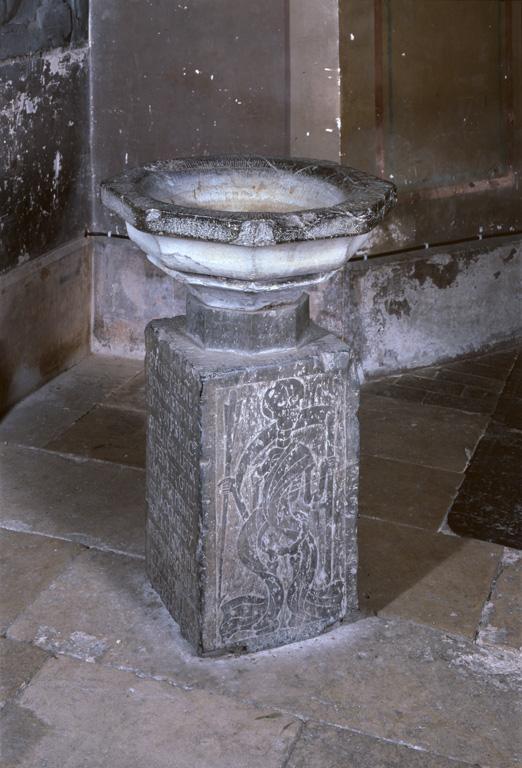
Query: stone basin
{"type": "Point", "coordinates": [252, 433]}
{"type": "Point", "coordinates": [251, 224]}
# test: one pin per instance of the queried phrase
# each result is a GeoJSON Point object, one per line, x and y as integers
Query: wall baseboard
{"type": "Point", "coordinates": [128, 292]}
{"type": "Point", "coordinates": [426, 306]}
{"type": "Point", "coordinates": [399, 312]}
{"type": "Point", "coordinates": [45, 317]}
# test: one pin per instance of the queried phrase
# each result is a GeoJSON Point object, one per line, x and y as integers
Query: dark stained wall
{"type": "Point", "coordinates": [29, 26]}
{"type": "Point", "coordinates": [44, 130]}
{"type": "Point", "coordinates": [172, 79]}
{"type": "Point", "coordinates": [432, 99]}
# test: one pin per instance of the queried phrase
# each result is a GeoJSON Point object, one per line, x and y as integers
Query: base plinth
{"type": "Point", "coordinates": [252, 469]}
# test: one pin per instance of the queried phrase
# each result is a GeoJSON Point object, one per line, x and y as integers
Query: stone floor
{"type": "Point", "coordinates": [94, 672]}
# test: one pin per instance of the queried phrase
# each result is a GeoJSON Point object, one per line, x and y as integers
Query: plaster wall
{"type": "Point", "coordinates": [315, 82]}
{"type": "Point", "coordinates": [44, 127]}
{"type": "Point", "coordinates": [128, 292]}
{"type": "Point", "coordinates": [423, 307]}
{"type": "Point", "coordinates": [44, 165]}
{"type": "Point", "coordinates": [219, 87]}
{"type": "Point", "coordinates": [220, 84]}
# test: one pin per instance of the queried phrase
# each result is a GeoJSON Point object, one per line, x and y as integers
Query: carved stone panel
{"type": "Point", "coordinates": [252, 489]}
{"type": "Point", "coordinates": [279, 491]}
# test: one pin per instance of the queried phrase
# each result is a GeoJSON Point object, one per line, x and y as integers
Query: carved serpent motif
{"type": "Point", "coordinates": [283, 490]}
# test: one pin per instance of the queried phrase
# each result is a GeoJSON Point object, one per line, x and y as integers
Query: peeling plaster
{"type": "Point", "coordinates": [377, 306]}
{"type": "Point", "coordinates": [45, 157]}
{"type": "Point", "coordinates": [397, 307]}
{"type": "Point", "coordinates": [414, 309]}
{"type": "Point", "coordinates": [442, 274]}
{"type": "Point", "coordinates": [60, 61]}
{"type": "Point", "coordinates": [509, 256]}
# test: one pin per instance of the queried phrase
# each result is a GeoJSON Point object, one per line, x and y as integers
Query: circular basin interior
{"type": "Point", "coordinates": [246, 190]}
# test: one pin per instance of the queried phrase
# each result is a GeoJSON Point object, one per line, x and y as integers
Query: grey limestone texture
{"type": "Point", "coordinates": [18, 664]}
{"type": "Point", "coordinates": [437, 437]}
{"type": "Point", "coordinates": [104, 710]}
{"type": "Point", "coordinates": [252, 468]}
{"type": "Point", "coordinates": [81, 507]}
{"type": "Point", "coordinates": [57, 405]}
{"type": "Point", "coordinates": [489, 503]}
{"type": "Point", "coordinates": [20, 583]}
{"type": "Point", "coordinates": [401, 685]}
{"type": "Point", "coordinates": [44, 123]}
{"type": "Point", "coordinates": [272, 327]}
{"type": "Point", "coordinates": [321, 747]}
{"type": "Point", "coordinates": [502, 619]}
{"type": "Point", "coordinates": [106, 433]}
{"type": "Point", "coordinates": [406, 572]}
{"type": "Point", "coordinates": [44, 162]}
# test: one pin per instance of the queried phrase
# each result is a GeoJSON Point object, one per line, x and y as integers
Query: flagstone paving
{"type": "Point", "coordinates": [94, 671]}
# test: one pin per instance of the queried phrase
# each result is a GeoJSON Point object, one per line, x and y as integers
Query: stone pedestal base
{"type": "Point", "coordinates": [252, 468]}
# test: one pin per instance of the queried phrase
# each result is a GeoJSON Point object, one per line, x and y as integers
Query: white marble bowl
{"type": "Point", "coordinates": [248, 223]}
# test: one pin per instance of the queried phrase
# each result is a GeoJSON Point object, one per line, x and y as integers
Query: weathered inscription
{"type": "Point", "coordinates": [173, 487]}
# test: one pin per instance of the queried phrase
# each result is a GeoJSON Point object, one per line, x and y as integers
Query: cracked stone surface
{"type": "Point", "coordinates": [321, 747]}
{"type": "Point", "coordinates": [421, 495]}
{"type": "Point", "coordinates": [416, 433]}
{"type": "Point", "coordinates": [130, 396]}
{"type": "Point", "coordinates": [423, 576]}
{"type": "Point", "coordinates": [390, 678]}
{"type": "Point", "coordinates": [18, 665]}
{"type": "Point", "coordinates": [21, 582]}
{"type": "Point", "coordinates": [107, 434]}
{"type": "Point", "coordinates": [91, 715]}
{"type": "Point", "coordinates": [252, 467]}
{"type": "Point", "coordinates": [502, 618]}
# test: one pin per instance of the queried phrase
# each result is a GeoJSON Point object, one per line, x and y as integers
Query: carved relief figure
{"type": "Point", "coordinates": [283, 489]}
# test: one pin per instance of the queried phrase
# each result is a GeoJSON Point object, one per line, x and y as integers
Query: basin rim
{"type": "Point", "coordinates": [368, 199]}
